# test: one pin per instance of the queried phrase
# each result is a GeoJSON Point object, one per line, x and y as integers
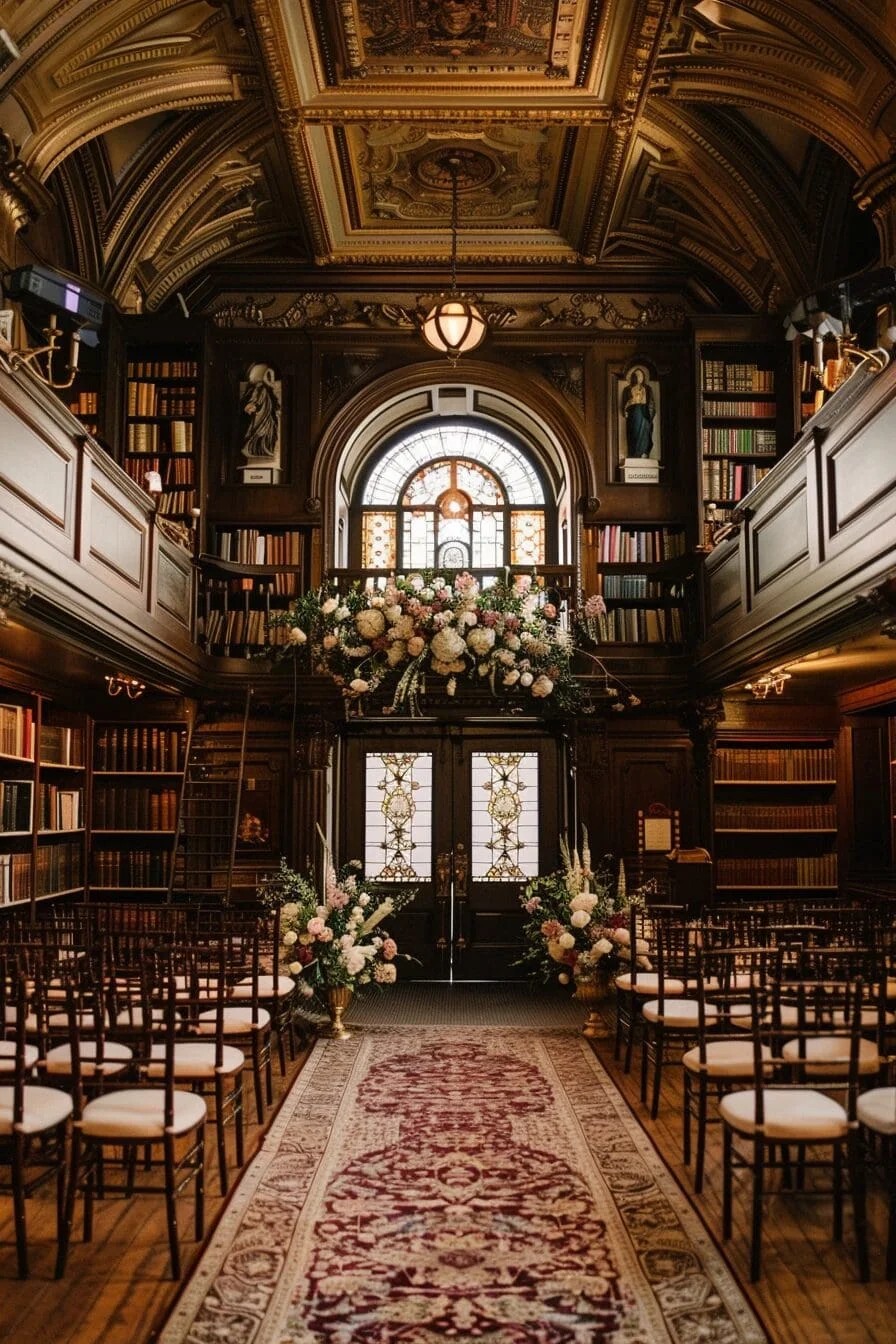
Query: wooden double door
{"type": "Point", "coordinates": [464, 815]}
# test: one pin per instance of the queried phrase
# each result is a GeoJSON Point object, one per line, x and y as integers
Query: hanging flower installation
{"type": "Point", "coordinates": [507, 637]}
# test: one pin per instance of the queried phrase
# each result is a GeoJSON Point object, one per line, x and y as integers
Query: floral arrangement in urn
{"type": "Point", "coordinates": [508, 637]}
{"type": "Point", "coordinates": [333, 937]}
{"type": "Point", "coordinates": [577, 928]}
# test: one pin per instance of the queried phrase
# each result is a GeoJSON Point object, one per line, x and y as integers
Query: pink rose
{"type": "Point", "coordinates": [316, 926]}
{"type": "Point", "coordinates": [389, 948]}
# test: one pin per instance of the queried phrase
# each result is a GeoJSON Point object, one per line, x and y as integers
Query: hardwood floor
{"type": "Point", "coordinates": [117, 1290]}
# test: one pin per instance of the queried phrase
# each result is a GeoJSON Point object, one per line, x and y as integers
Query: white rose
{"type": "Point", "coordinates": [364, 899]}
{"type": "Point", "coordinates": [563, 978]}
{"type": "Point", "coordinates": [555, 951]}
{"type": "Point", "coordinates": [295, 968]}
{"type": "Point", "coordinates": [481, 639]}
{"type": "Point", "coordinates": [393, 613]}
{"type": "Point", "coordinates": [603, 946]}
{"type": "Point", "coordinates": [357, 911]}
{"type": "Point", "coordinates": [358, 686]}
{"type": "Point", "coordinates": [297, 635]}
{"type": "Point", "coordinates": [586, 900]}
{"type": "Point", "coordinates": [289, 910]}
{"type": "Point", "coordinates": [290, 937]}
{"type": "Point", "coordinates": [329, 606]}
{"type": "Point", "coordinates": [447, 646]}
{"type": "Point", "coordinates": [566, 941]}
{"type": "Point", "coordinates": [377, 601]}
{"type": "Point", "coordinates": [526, 679]}
{"type": "Point", "coordinates": [642, 947]}
{"type": "Point", "coordinates": [416, 644]}
{"type": "Point", "coordinates": [342, 613]}
{"type": "Point", "coordinates": [579, 918]}
{"type": "Point", "coordinates": [511, 678]}
{"type": "Point", "coordinates": [370, 623]}
{"type": "Point", "coordinates": [621, 937]}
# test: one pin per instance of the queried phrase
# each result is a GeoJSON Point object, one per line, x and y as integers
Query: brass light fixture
{"type": "Point", "coordinates": [42, 360]}
{"type": "Point", "coordinates": [454, 325]}
{"type": "Point", "coordinates": [118, 684]}
{"type": "Point", "coordinates": [768, 682]}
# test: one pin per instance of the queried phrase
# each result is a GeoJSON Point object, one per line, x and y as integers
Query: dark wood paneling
{"type": "Point", "coordinates": [723, 584]}
{"type": "Point", "coordinates": [861, 472]}
{"type": "Point", "coordinates": [37, 478]}
{"type": "Point", "coordinates": [780, 539]}
{"type": "Point", "coordinates": [117, 539]}
{"type": "Point", "coordinates": [174, 588]}
{"type": "Point", "coordinates": [870, 796]}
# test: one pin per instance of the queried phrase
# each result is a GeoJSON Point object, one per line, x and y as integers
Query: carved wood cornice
{"type": "Point", "coordinates": [22, 198]}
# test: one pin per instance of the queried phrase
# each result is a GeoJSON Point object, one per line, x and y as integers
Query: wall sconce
{"type": "Point", "coordinates": [47, 370]}
{"type": "Point", "coordinates": [132, 687]}
{"type": "Point", "coordinates": [768, 682]}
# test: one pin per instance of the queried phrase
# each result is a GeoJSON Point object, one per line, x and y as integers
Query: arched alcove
{"type": "Point", "coordinates": [527, 414]}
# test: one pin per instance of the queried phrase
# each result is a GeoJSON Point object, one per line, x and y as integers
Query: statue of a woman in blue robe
{"type": "Point", "coordinates": [639, 409]}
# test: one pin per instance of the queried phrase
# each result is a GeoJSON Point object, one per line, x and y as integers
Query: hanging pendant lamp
{"type": "Point", "coordinates": [454, 324]}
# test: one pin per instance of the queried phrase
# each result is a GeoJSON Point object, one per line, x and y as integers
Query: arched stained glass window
{"type": "Point", "coordinates": [453, 497]}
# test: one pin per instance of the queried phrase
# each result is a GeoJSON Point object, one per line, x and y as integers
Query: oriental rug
{"type": "Point", "coordinates": [425, 1184]}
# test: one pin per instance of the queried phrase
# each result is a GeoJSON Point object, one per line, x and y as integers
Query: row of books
{"type": "Point", "coordinates": [724, 479]}
{"type": "Point", "coordinates": [61, 744]}
{"type": "Point", "coordinates": [129, 808]}
{"type": "Point", "coordinates": [791, 765]}
{"type": "Point", "coordinates": [85, 403]}
{"type": "Point", "coordinates": [16, 796]}
{"type": "Point", "coordinates": [175, 502]}
{"type": "Point", "coordinates": [248, 546]}
{"type": "Point", "coordinates": [60, 809]}
{"type": "Point", "coordinates": [720, 376]}
{"type": "Point", "coordinates": [140, 747]}
{"type": "Point", "coordinates": [58, 868]}
{"type": "Point", "coordinates": [163, 368]}
{"type": "Point", "coordinates": [130, 868]}
{"type": "Point", "coordinates": [816, 870]}
{"type": "Point", "coordinates": [758, 442]}
{"type": "Point", "coordinates": [17, 731]}
{"type": "Point", "coordinates": [744, 410]}
{"type": "Point", "coordinates": [641, 625]}
{"type": "Point", "coordinates": [175, 436]}
{"type": "Point", "coordinates": [150, 399]}
{"type": "Point", "coordinates": [173, 470]}
{"type": "Point", "coordinates": [808, 816]}
{"type": "Point", "coordinates": [15, 878]}
{"type": "Point", "coordinates": [635, 585]}
{"type": "Point", "coordinates": [234, 627]}
{"type": "Point", "coordinates": [252, 589]}
{"type": "Point", "coordinates": [619, 544]}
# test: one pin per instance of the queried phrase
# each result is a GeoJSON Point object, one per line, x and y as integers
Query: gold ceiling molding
{"type": "Point", "coordinates": [631, 88]}
{"type": "Point", "coordinates": [575, 311]}
{"type": "Point", "coordinates": [22, 198]}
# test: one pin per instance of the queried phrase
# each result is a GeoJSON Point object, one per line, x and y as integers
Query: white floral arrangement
{"type": "Point", "coordinates": [334, 935]}
{"type": "Point", "coordinates": [508, 637]}
{"type": "Point", "coordinates": [578, 919]}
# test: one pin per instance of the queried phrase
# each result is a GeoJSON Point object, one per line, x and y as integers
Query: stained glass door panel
{"type": "Point", "coordinates": [466, 817]}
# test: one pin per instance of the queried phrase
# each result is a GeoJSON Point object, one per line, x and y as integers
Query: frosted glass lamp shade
{"type": "Point", "coordinates": [453, 326]}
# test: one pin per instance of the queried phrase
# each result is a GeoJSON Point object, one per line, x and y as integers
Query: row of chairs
{"type": "Point", "coordinates": [786, 1026]}
{"type": "Point", "coordinates": [123, 1038]}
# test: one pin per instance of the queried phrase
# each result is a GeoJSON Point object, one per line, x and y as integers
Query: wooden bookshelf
{"type": "Point", "coordinates": [250, 575]}
{"type": "Point", "coordinates": [162, 394]}
{"type": "Point", "coordinates": [745, 411]}
{"type": "Point", "coordinates": [775, 820]}
{"type": "Point", "coordinates": [43, 796]}
{"type": "Point", "coordinates": [138, 775]}
{"type": "Point", "coordinates": [642, 571]}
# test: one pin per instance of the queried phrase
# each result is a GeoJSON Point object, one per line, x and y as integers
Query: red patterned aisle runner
{"type": "Point", "coordinates": [452, 1183]}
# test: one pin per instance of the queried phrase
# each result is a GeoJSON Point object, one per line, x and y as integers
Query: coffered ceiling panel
{"type": "Point", "coordinates": [148, 144]}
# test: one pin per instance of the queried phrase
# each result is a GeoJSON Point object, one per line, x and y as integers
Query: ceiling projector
{"type": "Point", "coordinates": [53, 289]}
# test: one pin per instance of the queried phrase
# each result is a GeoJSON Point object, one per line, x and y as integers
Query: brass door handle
{"type": "Point", "coordinates": [442, 893]}
{"type": "Point", "coordinates": [461, 873]}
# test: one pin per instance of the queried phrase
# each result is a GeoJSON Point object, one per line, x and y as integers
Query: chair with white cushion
{"type": "Point", "coordinates": [640, 982]}
{"type": "Point", "coordinates": [138, 1118]}
{"type": "Point", "coordinates": [876, 1111]}
{"type": "Point", "coordinates": [33, 1119]}
{"type": "Point", "coordinates": [672, 1016]}
{"type": "Point", "coordinates": [206, 1063]}
{"type": "Point", "coordinates": [722, 1058]}
{"type": "Point", "coordinates": [785, 1110]}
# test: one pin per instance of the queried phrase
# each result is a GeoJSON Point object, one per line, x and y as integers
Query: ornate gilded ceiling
{"type": "Point", "coordinates": [149, 143]}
